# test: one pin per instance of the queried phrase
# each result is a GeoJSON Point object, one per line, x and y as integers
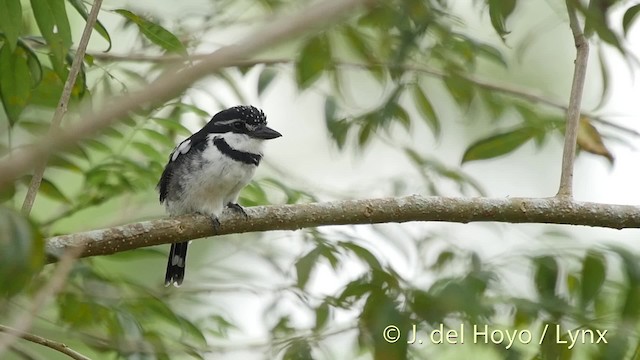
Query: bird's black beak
{"type": "Point", "coordinates": [265, 133]}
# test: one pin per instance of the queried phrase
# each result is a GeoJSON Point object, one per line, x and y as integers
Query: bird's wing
{"type": "Point", "coordinates": [194, 143]}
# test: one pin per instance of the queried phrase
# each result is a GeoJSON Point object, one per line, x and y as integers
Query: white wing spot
{"type": "Point", "coordinates": [183, 148]}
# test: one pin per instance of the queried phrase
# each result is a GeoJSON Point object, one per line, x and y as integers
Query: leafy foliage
{"type": "Point", "coordinates": [421, 68]}
{"type": "Point", "coordinates": [21, 252]}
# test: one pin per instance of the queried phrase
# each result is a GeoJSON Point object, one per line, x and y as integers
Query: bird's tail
{"type": "Point", "coordinates": [176, 263]}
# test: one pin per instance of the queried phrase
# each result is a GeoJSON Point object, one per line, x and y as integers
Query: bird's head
{"type": "Point", "coordinates": [245, 120]}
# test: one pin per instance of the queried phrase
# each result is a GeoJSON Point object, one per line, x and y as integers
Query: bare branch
{"type": "Point", "coordinates": [506, 89]}
{"type": "Point", "coordinates": [57, 346]}
{"type": "Point", "coordinates": [173, 81]}
{"type": "Point", "coordinates": [575, 100]}
{"type": "Point", "coordinates": [369, 211]}
{"type": "Point", "coordinates": [23, 321]}
{"type": "Point", "coordinates": [61, 109]}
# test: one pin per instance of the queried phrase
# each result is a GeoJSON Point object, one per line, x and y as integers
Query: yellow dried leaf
{"type": "Point", "coordinates": [590, 140]}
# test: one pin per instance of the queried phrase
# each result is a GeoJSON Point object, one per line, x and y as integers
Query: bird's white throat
{"type": "Point", "coordinates": [241, 142]}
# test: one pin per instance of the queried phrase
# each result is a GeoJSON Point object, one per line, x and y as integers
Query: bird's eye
{"type": "Point", "coordinates": [238, 126]}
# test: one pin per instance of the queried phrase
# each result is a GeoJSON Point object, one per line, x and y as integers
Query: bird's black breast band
{"type": "Point", "coordinates": [244, 157]}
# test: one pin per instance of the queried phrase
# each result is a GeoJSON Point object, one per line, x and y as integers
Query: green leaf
{"type": "Point", "coordinates": [82, 10]}
{"type": "Point", "coordinates": [630, 265]}
{"type": "Point", "coordinates": [62, 162]}
{"type": "Point", "coordinates": [305, 265]}
{"type": "Point", "coordinates": [79, 88]}
{"type": "Point", "coordinates": [51, 17]}
{"type": "Point", "coordinates": [48, 91]}
{"type": "Point", "coordinates": [173, 125]}
{"type": "Point", "coordinates": [315, 57]}
{"type": "Point", "coordinates": [330, 107]}
{"type": "Point", "coordinates": [21, 252]}
{"type": "Point", "coordinates": [378, 313]}
{"type": "Point", "coordinates": [253, 194]}
{"type": "Point", "coordinates": [618, 347]}
{"type": "Point", "coordinates": [15, 81]}
{"type": "Point", "coordinates": [155, 33]}
{"type": "Point", "coordinates": [51, 191]}
{"type": "Point", "coordinates": [338, 129]}
{"type": "Point", "coordinates": [366, 130]}
{"type": "Point", "coordinates": [11, 21]}
{"type": "Point", "coordinates": [81, 313]}
{"type": "Point", "coordinates": [358, 43]}
{"type": "Point", "coordinates": [35, 67]}
{"type": "Point", "coordinates": [158, 138]}
{"type": "Point", "coordinates": [629, 18]}
{"type": "Point", "coordinates": [491, 53]}
{"type": "Point", "coordinates": [7, 192]}
{"type": "Point", "coordinates": [426, 110]}
{"type": "Point", "coordinates": [499, 11]}
{"type": "Point", "coordinates": [460, 89]}
{"type": "Point", "coordinates": [354, 291]}
{"type": "Point", "coordinates": [551, 348]}
{"type": "Point", "coordinates": [193, 331]}
{"type": "Point", "coordinates": [401, 115]}
{"type": "Point", "coordinates": [48, 189]}
{"type": "Point", "coordinates": [605, 77]}
{"type": "Point", "coordinates": [497, 145]}
{"type": "Point", "coordinates": [190, 108]}
{"type": "Point", "coordinates": [443, 259]}
{"type": "Point", "coordinates": [148, 150]}
{"type": "Point", "coordinates": [298, 350]}
{"type": "Point", "coordinates": [363, 254]}
{"type": "Point", "coordinates": [266, 77]}
{"type": "Point", "coordinates": [322, 316]}
{"type": "Point", "coordinates": [596, 20]}
{"type": "Point", "coordinates": [546, 276]}
{"type": "Point", "coordinates": [98, 145]}
{"type": "Point", "coordinates": [593, 276]}
{"type": "Point", "coordinates": [433, 307]}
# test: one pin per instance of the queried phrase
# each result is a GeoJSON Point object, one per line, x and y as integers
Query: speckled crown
{"type": "Point", "coordinates": [248, 113]}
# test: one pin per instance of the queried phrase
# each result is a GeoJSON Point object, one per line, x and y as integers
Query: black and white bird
{"type": "Point", "coordinates": [206, 172]}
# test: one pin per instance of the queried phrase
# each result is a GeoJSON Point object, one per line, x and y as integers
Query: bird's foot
{"type": "Point", "coordinates": [216, 224]}
{"type": "Point", "coordinates": [238, 209]}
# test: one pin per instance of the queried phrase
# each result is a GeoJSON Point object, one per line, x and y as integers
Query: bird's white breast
{"type": "Point", "coordinates": [219, 179]}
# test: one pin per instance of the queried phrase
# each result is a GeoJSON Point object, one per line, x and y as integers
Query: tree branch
{"type": "Point", "coordinates": [369, 211]}
{"type": "Point", "coordinates": [174, 81]}
{"type": "Point", "coordinates": [61, 109]}
{"type": "Point", "coordinates": [506, 89]}
{"type": "Point", "coordinates": [575, 100]}
{"type": "Point", "coordinates": [57, 346]}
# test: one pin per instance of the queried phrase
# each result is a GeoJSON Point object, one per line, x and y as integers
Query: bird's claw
{"type": "Point", "coordinates": [216, 224]}
{"type": "Point", "coordinates": [238, 209]}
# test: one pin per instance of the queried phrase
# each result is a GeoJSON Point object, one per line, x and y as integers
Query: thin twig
{"type": "Point", "coordinates": [575, 100]}
{"type": "Point", "coordinates": [507, 89]}
{"type": "Point", "coordinates": [58, 346]}
{"type": "Point", "coordinates": [174, 80]}
{"type": "Point", "coordinates": [61, 109]}
{"type": "Point", "coordinates": [22, 322]}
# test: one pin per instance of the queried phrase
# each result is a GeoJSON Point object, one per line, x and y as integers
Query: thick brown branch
{"type": "Point", "coordinates": [370, 211]}
{"type": "Point", "coordinates": [575, 100]}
